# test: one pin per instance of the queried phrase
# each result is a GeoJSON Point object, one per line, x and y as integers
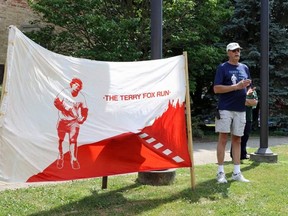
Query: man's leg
{"type": "Point", "coordinates": [243, 154]}
{"type": "Point", "coordinates": [73, 154]}
{"type": "Point", "coordinates": [239, 121]}
{"type": "Point", "coordinates": [237, 175]}
{"type": "Point", "coordinates": [236, 142]}
{"type": "Point", "coordinates": [73, 147]}
{"type": "Point", "coordinates": [222, 140]}
{"type": "Point", "coordinates": [60, 160]}
{"type": "Point", "coordinates": [61, 135]}
{"type": "Point", "coordinates": [222, 126]}
{"type": "Point", "coordinates": [244, 140]}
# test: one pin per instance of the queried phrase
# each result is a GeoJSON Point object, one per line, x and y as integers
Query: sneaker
{"type": "Point", "coordinates": [246, 157]}
{"type": "Point", "coordinates": [221, 178]}
{"type": "Point", "coordinates": [239, 177]}
{"type": "Point", "coordinates": [75, 164]}
{"type": "Point", "coordinates": [60, 163]}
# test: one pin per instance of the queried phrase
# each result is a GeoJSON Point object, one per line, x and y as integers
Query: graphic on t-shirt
{"type": "Point", "coordinates": [73, 112]}
{"type": "Point", "coordinates": [234, 79]}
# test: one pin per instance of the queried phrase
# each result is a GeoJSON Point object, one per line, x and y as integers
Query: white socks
{"type": "Point", "coordinates": [236, 169]}
{"type": "Point", "coordinates": [221, 168]}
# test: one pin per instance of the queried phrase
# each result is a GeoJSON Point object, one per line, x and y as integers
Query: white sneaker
{"type": "Point", "coordinates": [221, 178]}
{"type": "Point", "coordinates": [239, 177]}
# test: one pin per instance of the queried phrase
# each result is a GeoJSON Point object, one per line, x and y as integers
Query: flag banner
{"type": "Point", "coordinates": [65, 118]}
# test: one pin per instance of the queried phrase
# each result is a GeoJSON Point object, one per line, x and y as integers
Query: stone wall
{"type": "Point", "coordinates": [13, 12]}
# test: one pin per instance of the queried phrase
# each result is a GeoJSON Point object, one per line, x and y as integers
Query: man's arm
{"type": "Point", "coordinates": [84, 115]}
{"type": "Point", "coordinates": [59, 104]}
{"type": "Point", "coordinates": [251, 102]}
{"type": "Point", "coordinates": [219, 89]}
{"type": "Point", "coordinates": [251, 99]}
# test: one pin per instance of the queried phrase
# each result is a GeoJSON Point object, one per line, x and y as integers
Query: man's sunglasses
{"type": "Point", "coordinates": [236, 50]}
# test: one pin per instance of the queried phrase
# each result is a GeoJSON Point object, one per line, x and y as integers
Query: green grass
{"type": "Point", "coordinates": [266, 194]}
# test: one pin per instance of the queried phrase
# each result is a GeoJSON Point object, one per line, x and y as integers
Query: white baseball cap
{"type": "Point", "coordinates": [233, 46]}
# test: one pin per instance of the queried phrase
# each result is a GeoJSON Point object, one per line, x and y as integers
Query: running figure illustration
{"type": "Point", "coordinates": [73, 112]}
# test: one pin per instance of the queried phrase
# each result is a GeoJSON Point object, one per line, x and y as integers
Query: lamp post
{"type": "Point", "coordinates": [264, 153]}
{"type": "Point", "coordinates": [160, 177]}
{"type": "Point", "coordinates": [156, 29]}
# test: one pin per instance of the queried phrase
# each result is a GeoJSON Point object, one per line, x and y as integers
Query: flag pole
{"type": "Point", "coordinates": [4, 82]}
{"type": "Point", "coordinates": [189, 122]}
{"type": "Point", "coordinates": [3, 91]}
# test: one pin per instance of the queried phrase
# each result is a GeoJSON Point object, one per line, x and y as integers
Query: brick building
{"type": "Point", "coordinates": [17, 13]}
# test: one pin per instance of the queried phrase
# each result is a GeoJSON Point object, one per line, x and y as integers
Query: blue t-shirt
{"type": "Point", "coordinates": [228, 74]}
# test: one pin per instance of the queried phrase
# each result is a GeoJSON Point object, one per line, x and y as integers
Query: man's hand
{"type": "Point", "coordinates": [84, 114]}
{"type": "Point", "coordinates": [250, 91]}
{"type": "Point", "coordinates": [251, 102]}
{"type": "Point", "coordinates": [220, 89]}
{"type": "Point", "coordinates": [243, 84]}
{"type": "Point", "coordinates": [59, 104]}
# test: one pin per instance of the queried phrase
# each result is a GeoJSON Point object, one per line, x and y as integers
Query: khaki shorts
{"type": "Point", "coordinates": [231, 122]}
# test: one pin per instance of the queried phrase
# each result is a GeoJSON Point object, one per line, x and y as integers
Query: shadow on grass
{"type": "Point", "coordinates": [115, 203]}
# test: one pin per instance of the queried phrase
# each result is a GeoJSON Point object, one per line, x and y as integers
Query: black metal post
{"type": "Point", "coordinates": [156, 29]}
{"type": "Point", "coordinates": [264, 78]}
{"type": "Point", "coordinates": [161, 177]}
{"type": "Point", "coordinates": [264, 154]}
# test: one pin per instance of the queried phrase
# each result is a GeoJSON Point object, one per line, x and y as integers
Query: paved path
{"type": "Point", "coordinates": [203, 152]}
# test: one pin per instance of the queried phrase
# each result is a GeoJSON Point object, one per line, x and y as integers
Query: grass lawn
{"type": "Point", "coordinates": [265, 195]}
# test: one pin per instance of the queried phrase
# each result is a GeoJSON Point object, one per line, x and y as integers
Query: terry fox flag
{"type": "Point", "coordinates": [68, 118]}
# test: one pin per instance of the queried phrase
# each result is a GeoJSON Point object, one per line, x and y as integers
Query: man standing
{"type": "Point", "coordinates": [230, 84]}
{"type": "Point", "coordinates": [251, 103]}
{"type": "Point", "coordinates": [72, 112]}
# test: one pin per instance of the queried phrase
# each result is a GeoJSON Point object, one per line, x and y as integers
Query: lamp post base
{"type": "Point", "coordinates": [268, 158]}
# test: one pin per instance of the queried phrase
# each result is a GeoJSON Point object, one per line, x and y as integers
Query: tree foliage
{"type": "Point", "coordinates": [95, 29]}
{"type": "Point", "coordinates": [244, 27]}
{"type": "Point", "coordinates": [119, 30]}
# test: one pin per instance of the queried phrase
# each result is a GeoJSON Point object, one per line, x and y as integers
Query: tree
{"type": "Point", "coordinates": [119, 30]}
{"type": "Point", "coordinates": [95, 29]}
{"type": "Point", "coordinates": [244, 27]}
{"type": "Point", "coordinates": [195, 28]}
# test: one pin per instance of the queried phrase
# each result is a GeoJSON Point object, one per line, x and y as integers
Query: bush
{"type": "Point", "coordinates": [196, 128]}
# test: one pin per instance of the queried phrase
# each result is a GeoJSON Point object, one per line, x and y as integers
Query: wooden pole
{"type": "Point", "coordinates": [3, 91]}
{"type": "Point", "coordinates": [5, 70]}
{"type": "Point", "coordinates": [189, 122]}
{"type": "Point", "coordinates": [4, 81]}
{"type": "Point", "coordinates": [104, 182]}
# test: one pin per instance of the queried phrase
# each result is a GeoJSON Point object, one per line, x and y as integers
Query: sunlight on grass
{"type": "Point", "coordinates": [266, 194]}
